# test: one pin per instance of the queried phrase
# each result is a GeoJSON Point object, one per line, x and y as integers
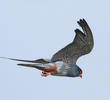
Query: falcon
{"type": "Point", "coordinates": [63, 63]}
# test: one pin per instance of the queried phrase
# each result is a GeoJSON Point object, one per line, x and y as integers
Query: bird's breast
{"type": "Point", "coordinates": [62, 68]}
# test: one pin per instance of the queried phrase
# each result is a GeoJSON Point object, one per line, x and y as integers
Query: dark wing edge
{"type": "Point", "coordinates": [42, 61]}
{"type": "Point", "coordinates": [81, 45]}
{"type": "Point", "coordinates": [87, 31]}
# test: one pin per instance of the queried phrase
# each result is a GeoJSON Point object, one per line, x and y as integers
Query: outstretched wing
{"type": "Point", "coordinates": [82, 44]}
{"type": "Point", "coordinates": [42, 61]}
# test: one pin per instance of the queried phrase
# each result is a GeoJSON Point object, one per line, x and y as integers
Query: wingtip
{"type": "Point", "coordinates": [76, 30]}
{"type": "Point", "coordinates": [83, 19]}
{"type": "Point", "coordinates": [82, 22]}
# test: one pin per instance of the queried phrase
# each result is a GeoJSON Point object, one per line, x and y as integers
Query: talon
{"type": "Point", "coordinates": [45, 74]}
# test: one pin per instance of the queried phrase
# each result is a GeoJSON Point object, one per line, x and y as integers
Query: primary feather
{"type": "Point", "coordinates": [81, 45]}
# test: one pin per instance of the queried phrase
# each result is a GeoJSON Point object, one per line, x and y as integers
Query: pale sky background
{"type": "Point", "coordinates": [32, 29]}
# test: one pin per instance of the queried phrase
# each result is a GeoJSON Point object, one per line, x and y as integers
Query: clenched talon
{"type": "Point", "coordinates": [45, 73]}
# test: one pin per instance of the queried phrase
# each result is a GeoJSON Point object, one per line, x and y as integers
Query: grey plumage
{"type": "Point", "coordinates": [63, 63]}
{"type": "Point", "coordinates": [82, 44]}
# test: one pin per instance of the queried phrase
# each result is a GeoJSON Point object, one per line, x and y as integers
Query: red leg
{"type": "Point", "coordinates": [46, 74]}
{"type": "Point", "coordinates": [49, 70]}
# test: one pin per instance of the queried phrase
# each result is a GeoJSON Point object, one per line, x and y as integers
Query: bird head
{"type": "Point", "coordinates": [74, 71]}
{"type": "Point", "coordinates": [79, 71]}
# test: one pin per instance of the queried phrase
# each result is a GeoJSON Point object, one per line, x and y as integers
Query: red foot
{"type": "Point", "coordinates": [46, 74]}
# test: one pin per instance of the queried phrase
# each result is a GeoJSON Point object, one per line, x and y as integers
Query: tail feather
{"type": "Point", "coordinates": [34, 66]}
{"type": "Point", "coordinates": [41, 64]}
{"type": "Point", "coordinates": [43, 67]}
{"type": "Point", "coordinates": [42, 61]}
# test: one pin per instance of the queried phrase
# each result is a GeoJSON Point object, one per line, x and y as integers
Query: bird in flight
{"type": "Point", "coordinates": [63, 63]}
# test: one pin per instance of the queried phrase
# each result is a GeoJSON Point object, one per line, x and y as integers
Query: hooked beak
{"type": "Point", "coordinates": [80, 75]}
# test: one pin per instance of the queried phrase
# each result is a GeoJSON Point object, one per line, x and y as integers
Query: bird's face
{"type": "Point", "coordinates": [78, 71]}
{"type": "Point", "coordinates": [74, 71]}
{"type": "Point", "coordinates": [80, 74]}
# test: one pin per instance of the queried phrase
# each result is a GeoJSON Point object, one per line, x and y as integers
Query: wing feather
{"type": "Point", "coordinates": [42, 61]}
{"type": "Point", "coordinates": [81, 45]}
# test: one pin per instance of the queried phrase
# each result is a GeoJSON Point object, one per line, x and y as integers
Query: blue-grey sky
{"type": "Point", "coordinates": [32, 29]}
